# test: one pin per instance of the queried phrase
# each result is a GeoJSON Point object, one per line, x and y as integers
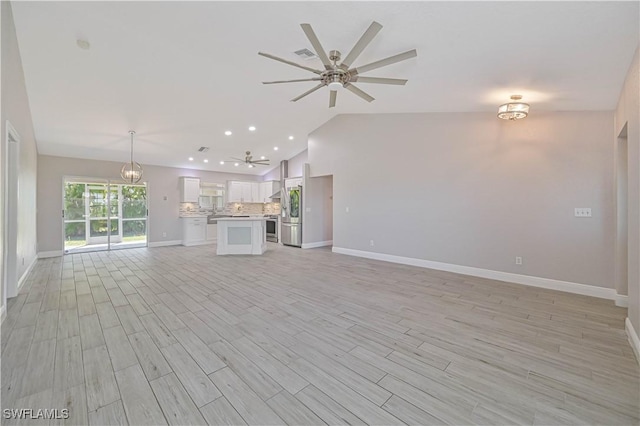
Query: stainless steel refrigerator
{"type": "Point", "coordinates": [291, 224]}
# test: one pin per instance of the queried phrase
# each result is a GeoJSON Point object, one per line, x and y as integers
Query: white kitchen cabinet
{"type": "Point", "coordinates": [267, 189]}
{"type": "Point", "coordinates": [194, 231]}
{"type": "Point", "coordinates": [243, 192]}
{"type": "Point", "coordinates": [234, 192]}
{"type": "Point", "coordinates": [189, 190]}
{"type": "Point", "coordinates": [212, 233]}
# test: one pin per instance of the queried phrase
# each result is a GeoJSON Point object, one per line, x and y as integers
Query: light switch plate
{"type": "Point", "coordinates": [307, 209]}
{"type": "Point", "coordinates": [582, 212]}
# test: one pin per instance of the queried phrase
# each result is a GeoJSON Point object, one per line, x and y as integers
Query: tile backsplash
{"type": "Point", "coordinates": [187, 209]}
{"type": "Point", "coordinates": [252, 208]}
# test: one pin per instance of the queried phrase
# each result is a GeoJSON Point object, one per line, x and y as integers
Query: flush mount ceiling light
{"type": "Point", "coordinates": [513, 110]}
{"type": "Point", "coordinates": [228, 133]}
{"type": "Point", "coordinates": [252, 128]}
{"type": "Point", "coordinates": [290, 138]}
{"type": "Point", "coordinates": [131, 172]}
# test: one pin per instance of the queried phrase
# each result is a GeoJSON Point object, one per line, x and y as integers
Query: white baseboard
{"type": "Point", "coordinates": [318, 244]}
{"type": "Point", "coordinates": [633, 338]}
{"type": "Point", "coordinates": [46, 254]}
{"type": "Point", "coordinates": [3, 314]}
{"type": "Point", "coordinates": [566, 286]}
{"type": "Point", "coordinates": [26, 273]}
{"type": "Point", "coordinates": [622, 300]}
{"type": "Point", "coordinates": [165, 243]}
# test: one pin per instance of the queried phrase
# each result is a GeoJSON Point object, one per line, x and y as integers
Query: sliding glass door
{"type": "Point", "coordinates": [103, 215]}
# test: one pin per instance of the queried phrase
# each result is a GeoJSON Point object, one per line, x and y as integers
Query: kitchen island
{"type": "Point", "coordinates": [242, 235]}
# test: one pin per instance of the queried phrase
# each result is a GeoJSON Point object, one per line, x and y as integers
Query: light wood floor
{"type": "Point", "coordinates": [178, 335]}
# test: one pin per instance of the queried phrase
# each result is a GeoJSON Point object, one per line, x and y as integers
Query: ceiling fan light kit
{"type": "Point", "coordinates": [514, 110]}
{"type": "Point", "coordinates": [249, 161]}
{"type": "Point", "coordinates": [131, 172]}
{"type": "Point", "coordinates": [338, 75]}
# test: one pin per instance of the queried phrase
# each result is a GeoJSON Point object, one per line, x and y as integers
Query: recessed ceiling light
{"type": "Point", "coordinates": [228, 133]}
{"type": "Point", "coordinates": [190, 158]}
{"type": "Point", "coordinates": [275, 148]}
{"type": "Point", "coordinates": [83, 44]}
{"type": "Point", "coordinates": [250, 166]}
{"type": "Point", "coordinates": [222, 162]}
{"type": "Point", "coordinates": [290, 138]}
{"type": "Point", "coordinates": [263, 157]}
{"type": "Point", "coordinates": [206, 161]}
{"type": "Point", "coordinates": [236, 164]}
{"type": "Point", "coordinates": [252, 128]}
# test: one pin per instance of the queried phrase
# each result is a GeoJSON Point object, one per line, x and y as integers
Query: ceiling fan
{"type": "Point", "coordinates": [249, 161]}
{"type": "Point", "coordinates": [339, 74]}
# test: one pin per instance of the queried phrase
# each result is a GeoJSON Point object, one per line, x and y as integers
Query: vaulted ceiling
{"type": "Point", "coordinates": [182, 73]}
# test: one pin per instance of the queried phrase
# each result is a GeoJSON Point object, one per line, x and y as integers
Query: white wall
{"type": "Point", "coordinates": [628, 112]}
{"type": "Point", "coordinates": [296, 167]}
{"type": "Point", "coordinates": [15, 108]}
{"type": "Point", "coordinates": [162, 181]}
{"type": "Point", "coordinates": [469, 189]}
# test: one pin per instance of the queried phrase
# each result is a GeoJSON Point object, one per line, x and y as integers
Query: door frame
{"type": "Point", "coordinates": [108, 182]}
{"type": "Point", "coordinates": [10, 199]}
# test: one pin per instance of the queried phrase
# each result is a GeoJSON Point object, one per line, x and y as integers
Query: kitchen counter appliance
{"type": "Point", "coordinates": [272, 228]}
{"type": "Point", "coordinates": [291, 226]}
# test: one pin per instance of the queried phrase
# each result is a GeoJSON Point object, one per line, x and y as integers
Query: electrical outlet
{"type": "Point", "coordinates": [582, 212]}
{"type": "Point", "coordinates": [518, 260]}
{"type": "Point", "coordinates": [371, 243]}
{"type": "Point", "coordinates": [164, 234]}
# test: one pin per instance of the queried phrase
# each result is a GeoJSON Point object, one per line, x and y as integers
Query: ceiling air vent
{"type": "Point", "coordinates": [203, 149]}
{"type": "Point", "coordinates": [305, 54]}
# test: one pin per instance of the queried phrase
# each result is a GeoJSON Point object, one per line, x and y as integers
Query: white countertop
{"type": "Point", "coordinates": [246, 219]}
{"type": "Point", "coordinates": [192, 215]}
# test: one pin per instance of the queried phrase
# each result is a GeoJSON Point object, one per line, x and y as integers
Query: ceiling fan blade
{"type": "Point", "coordinates": [275, 58]}
{"type": "Point", "coordinates": [332, 98]}
{"type": "Point", "coordinates": [297, 98]}
{"type": "Point", "coordinates": [364, 41]}
{"type": "Point", "coordinates": [237, 159]}
{"type": "Point", "coordinates": [292, 81]}
{"type": "Point", "coordinates": [379, 80]}
{"type": "Point", "coordinates": [386, 61]}
{"type": "Point", "coordinates": [363, 95]}
{"type": "Point", "coordinates": [316, 45]}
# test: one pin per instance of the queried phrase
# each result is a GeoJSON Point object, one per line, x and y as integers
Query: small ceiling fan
{"type": "Point", "coordinates": [339, 74]}
{"type": "Point", "coordinates": [249, 161]}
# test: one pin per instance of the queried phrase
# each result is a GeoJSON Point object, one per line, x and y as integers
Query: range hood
{"type": "Point", "coordinates": [276, 194]}
{"type": "Point", "coordinates": [284, 173]}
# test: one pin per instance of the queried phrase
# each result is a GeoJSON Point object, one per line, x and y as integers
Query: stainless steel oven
{"type": "Point", "coordinates": [272, 229]}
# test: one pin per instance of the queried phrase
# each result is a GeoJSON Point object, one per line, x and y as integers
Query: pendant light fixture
{"type": "Point", "coordinates": [131, 172]}
{"type": "Point", "coordinates": [513, 110]}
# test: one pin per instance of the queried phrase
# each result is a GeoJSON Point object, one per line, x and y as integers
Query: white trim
{"type": "Point", "coordinates": [318, 244]}
{"type": "Point", "coordinates": [622, 300]}
{"type": "Point", "coordinates": [3, 314]}
{"type": "Point", "coordinates": [26, 273]}
{"type": "Point", "coordinates": [633, 338]}
{"type": "Point", "coordinates": [164, 243]}
{"type": "Point", "coordinates": [46, 254]}
{"type": "Point", "coordinates": [566, 286]}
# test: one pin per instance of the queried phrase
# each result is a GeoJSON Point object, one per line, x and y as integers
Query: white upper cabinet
{"type": "Point", "coordinates": [189, 190]}
{"type": "Point", "coordinates": [267, 189]}
{"type": "Point", "coordinates": [250, 192]}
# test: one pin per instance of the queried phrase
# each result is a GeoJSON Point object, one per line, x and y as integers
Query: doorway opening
{"type": "Point", "coordinates": [622, 197]}
{"type": "Point", "coordinates": [101, 215]}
